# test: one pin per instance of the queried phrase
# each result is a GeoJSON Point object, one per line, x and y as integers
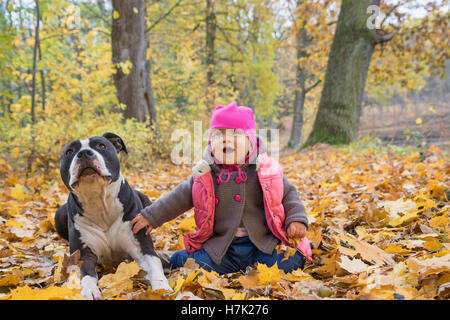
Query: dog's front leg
{"type": "Point", "coordinates": [89, 277]}
{"type": "Point", "coordinates": [155, 272]}
{"type": "Point", "coordinates": [89, 288]}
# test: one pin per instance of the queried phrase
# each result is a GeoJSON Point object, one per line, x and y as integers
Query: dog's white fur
{"type": "Point", "coordinates": [102, 229]}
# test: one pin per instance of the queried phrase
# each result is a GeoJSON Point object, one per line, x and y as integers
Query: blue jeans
{"type": "Point", "coordinates": [241, 253]}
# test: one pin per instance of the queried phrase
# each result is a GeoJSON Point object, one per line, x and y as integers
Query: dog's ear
{"type": "Point", "coordinates": [116, 141]}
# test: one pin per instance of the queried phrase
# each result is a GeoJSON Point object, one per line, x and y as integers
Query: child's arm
{"type": "Point", "coordinates": [166, 208]}
{"type": "Point", "coordinates": [296, 219]}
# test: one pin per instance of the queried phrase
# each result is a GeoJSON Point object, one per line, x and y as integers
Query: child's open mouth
{"type": "Point", "coordinates": [228, 150]}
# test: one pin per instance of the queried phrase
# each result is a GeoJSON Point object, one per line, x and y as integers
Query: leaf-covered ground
{"type": "Point", "coordinates": [378, 226]}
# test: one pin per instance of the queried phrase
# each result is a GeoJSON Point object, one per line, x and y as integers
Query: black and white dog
{"type": "Point", "coordinates": [101, 204]}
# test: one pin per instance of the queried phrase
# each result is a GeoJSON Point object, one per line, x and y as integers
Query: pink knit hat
{"type": "Point", "coordinates": [234, 117]}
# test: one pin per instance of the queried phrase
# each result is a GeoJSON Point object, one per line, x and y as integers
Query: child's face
{"type": "Point", "coordinates": [230, 146]}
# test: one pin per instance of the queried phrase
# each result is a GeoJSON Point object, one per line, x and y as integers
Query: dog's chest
{"type": "Point", "coordinates": [101, 226]}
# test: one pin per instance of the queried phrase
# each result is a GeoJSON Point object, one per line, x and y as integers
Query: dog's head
{"type": "Point", "coordinates": [85, 161]}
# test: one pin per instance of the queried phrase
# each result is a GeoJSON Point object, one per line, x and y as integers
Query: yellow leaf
{"type": "Point", "coordinates": [50, 293]}
{"type": "Point", "coordinates": [396, 248]}
{"type": "Point", "coordinates": [297, 275]}
{"type": "Point", "coordinates": [57, 275]}
{"type": "Point", "coordinates": [10, 280]}
{"type": "Point", "coordinates": [419, 121]}
{"type": "Point", "coordinates": [268, 275]}
{"type": "Point", "coordinates": [352, 266]}
{"type": "Point", "coordinates": [351, 246]}
{"type": "Point", "coordinates": [429, 266]}
{"type": "Point", "coordinates": [187, 224]}
{"type": "Point", "coordinates": [398, 206]}
{"type": "Point", "coordinates": [231, 294]}
{"type": "Point", "coordinates": [15, 153]}
{"type": "Point", "coordinates": [115, 284]}
{"type": "Point", "coordinates": [11, 179]}
{"type": "Point", "coordinates": [405, 218]}
{"type": "Point", "coordinates": [13, 223]}
{"type": "Point", "coordinates": [14, 210]}
{"type": "Point", "coordinates": [116, 14]}
{"type": "Point", "coordinates": [432, 244]}
{"type": "Point", "coordinates": [249, 281]}
{"type": "Point", "coordinates": [289, 252]}
{"type": "Point", "coordinates": [135, 10]}
{"type": "Point", "coordinates": [439, 222]}
{"type": "Point", "coordinates": [18, 192]}
{"type": "Point", "coordinates": [181, 282]}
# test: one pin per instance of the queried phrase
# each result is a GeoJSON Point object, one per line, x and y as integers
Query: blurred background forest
{"type": "Point", "coordinates": [71, 69]}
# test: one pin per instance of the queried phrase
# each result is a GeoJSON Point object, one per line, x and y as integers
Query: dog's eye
{"type": "Point", "coordinates": [69, 152]}
{"type": "Point", "coordinates": [101, 146]}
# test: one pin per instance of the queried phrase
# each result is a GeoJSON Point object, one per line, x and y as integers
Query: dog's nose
{"type": "Point", "coordinates": [86, 154]}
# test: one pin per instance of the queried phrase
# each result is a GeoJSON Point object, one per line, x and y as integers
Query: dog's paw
{"type": "Point", "coordinates": [161, 284]}
{"type": "Point", "coordinates": [90, 289]}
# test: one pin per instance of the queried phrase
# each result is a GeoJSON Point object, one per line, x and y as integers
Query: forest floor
{"type": "Point", "coordinates": [379, 219]}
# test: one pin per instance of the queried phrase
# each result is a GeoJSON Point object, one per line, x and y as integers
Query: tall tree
{"type": "Point", "coordinates": [211, 25]}
{"type": "Point", "coordinates": [337, 119]}
{"type": "Point", "coordinates": [129, 55]}
{"type": "Point", "coordinates": [33, 71]}
{"type": "Point", "coordinates": [305, 79]}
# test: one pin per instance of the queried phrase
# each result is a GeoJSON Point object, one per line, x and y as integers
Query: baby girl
{"type": "Point", "coordinates": [243, 204]}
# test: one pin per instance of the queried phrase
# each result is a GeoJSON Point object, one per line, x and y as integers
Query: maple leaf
{"type": "Point", "coordinates": [249, 281]}
{"type": "Point", "coordinates": [267, 275]}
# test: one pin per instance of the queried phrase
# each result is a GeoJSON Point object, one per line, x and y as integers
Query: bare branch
{"type": "Point", "coordinates": [313, 86]}
{"type": "Point", "coordinates": [385, 37]}
{"type": "Point", "coordinates": [163, 16]}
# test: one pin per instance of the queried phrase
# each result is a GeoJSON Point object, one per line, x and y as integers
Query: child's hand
{"type": "Point", "coordinates": [296, 230]}
{"type": "Point", "coordinates": [140, 222]}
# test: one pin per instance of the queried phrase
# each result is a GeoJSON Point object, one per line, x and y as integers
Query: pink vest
{"type": "Point", "coordinates": [270, 176]}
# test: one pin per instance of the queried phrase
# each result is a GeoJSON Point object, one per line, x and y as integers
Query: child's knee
{"type": "Point", "coordinates": [178, 259]}
{"type": "Point", "coordinates": [293, 263]}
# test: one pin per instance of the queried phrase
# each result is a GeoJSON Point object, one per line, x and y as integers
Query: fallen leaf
{"type": "Point", "coordinates": [50, 293]}
{"type": "Point", "coordinates": [267, 275]}
{"type": "Point", "coordinates": [368, 252]}
{"type": "Point", "coordinates": [429, 266]}
{"type": "Point", "coordinates": [115, 284]}
{"type": "Point", "coordinates": [187, 224]}
{"type": "Point", "coordinates": [18, 192]}
{"type": "Point", "coordinates": [352, 266]}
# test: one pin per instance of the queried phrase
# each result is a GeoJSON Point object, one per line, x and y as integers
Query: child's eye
{"type": "Point", "coordinates": [238, 133]}
{"type": "Point", "coordinates": [216, 134]}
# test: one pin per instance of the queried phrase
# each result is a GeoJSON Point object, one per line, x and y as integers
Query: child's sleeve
{"type": "Point", "coordinates": [170, 206]}
{"type": "Point", "coordinates": [293, 206]}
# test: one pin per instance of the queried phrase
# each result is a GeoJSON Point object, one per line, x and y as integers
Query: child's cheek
{"type": "Point", "coordinates": [217, 149]}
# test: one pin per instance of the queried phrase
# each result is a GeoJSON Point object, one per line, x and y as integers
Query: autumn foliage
{"type": "Point", "coordinates": [378, 227]}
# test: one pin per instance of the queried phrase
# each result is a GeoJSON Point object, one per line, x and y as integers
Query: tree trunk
{"type": "Point", "coordinates": [337, 119]}
{"type": "Point", "coordinates": [129, 51]}
{"type": "Point", "coordinates": [211, 23]}
{"type": "Point", "coordinates": [302, 41]}
{"type": "Point", "coordinates": [33, 71]}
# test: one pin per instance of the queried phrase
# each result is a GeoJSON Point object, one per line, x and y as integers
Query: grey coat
{"type": "Point", "coordinates": [229, 213]}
